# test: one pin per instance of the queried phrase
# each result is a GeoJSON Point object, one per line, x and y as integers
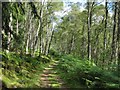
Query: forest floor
{"type": "Point", "coordinates": [62, 72]}
{"type": "Point", "coordinates": [50, 78]}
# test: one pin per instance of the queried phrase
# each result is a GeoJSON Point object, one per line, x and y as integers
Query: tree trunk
{"type": "Point", "coordinates": [36, 38]}
{"type": "Point", "coordinates": [105, 37]}
{"type": "Point", "coordinates": [9, 34]}
{"type": "Point", "coordinates": [27, 43]}
{"type": "Point", "coordinates": [89, 28]}
{"type": "Point", "coordinates": [41, 28]}
{"type": "Point", "coordinates": [83, 45]}
{"type": "Point", "coordinates": [28, 35]}
{"type": "Point", "coordinates": [47, 40]}
{"type": "Point", "coordinates": [114, 34]}
{"type": "Point", "coordinates": [50, 41]}
{"type": "Point", "coordinates": [17, 30]}
{"type": "Point", "coordinates": [118, 39]}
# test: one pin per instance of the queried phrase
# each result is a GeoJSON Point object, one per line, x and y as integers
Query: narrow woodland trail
{"type": "Point", "coordinates": [50, 79]}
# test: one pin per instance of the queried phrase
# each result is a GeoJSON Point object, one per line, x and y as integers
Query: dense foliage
{"type": "Point", "coordinates": [78, 71]}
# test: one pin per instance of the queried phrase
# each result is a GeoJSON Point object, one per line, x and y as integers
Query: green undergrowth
{"type": "Point", "coordinates": [79, 73]}
{"type": "Point", "coordinates": [22, 70]}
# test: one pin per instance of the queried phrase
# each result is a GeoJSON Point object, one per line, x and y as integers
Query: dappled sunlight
{"type": "Point", "coordinates": [50, 78]}
{"type": "Point", "coordinates": [64, 45]}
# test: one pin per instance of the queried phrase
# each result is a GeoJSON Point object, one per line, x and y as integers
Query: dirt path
{"type": "Point", "coordinates": [50, 79]}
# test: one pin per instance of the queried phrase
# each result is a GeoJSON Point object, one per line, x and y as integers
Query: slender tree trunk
{"type": "Point", "coordinates": [50, 42]}
{"type": "Point", "coordinates": [96, 49]}
{"type": "Point", "coordinates": [25, 28]}
{"type": "Point", "coordinates": [118, 39]}
{"type": "Point", "coordinates": [83, 45]}
{"type": "Point", "coordinates": [89, 22]}
{"type": "Point", "coordinates": [38, 45]}
{"type": "Point", "coordinates": [89, 47]}
{"type": "Point", "coordinates": [27, 43]}
{"type": "Point", "coordinates": [47, 41]}
{"type": "Point", "coordinates": [29, 36]}
{"type": "Point", "coordinates": [105, 37]}
{"type": "Point", "coordinates": [36, 37]}
{"type": "Point", "coordinates": [9, 34]}
{"type": "Point", "coordinates": [17, 30]}
{"type": "Point", "coordinates": [114, 34]}
{"type": "Point", "coordinates": [41, 27]}
{"type": "Point", "coordinates": [32, 38]}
